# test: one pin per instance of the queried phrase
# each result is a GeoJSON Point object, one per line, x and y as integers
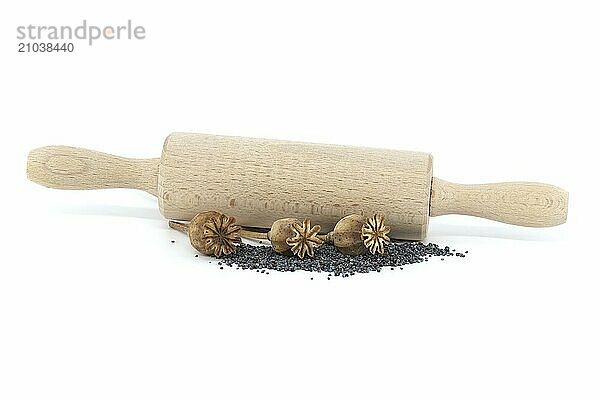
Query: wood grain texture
{"type": "Point", "coordinates": [258, 181]}
{"type": "Point", "coordinates": [518, 203]}
{"type": "Point", "coordinates": [63, 167]}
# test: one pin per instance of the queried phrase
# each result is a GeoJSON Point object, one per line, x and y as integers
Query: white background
{"type": "Point", "coordinates": [97, 303]}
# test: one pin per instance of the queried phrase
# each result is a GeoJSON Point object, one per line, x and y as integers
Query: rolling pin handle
{"type": "Point", "coordinates": [63, 167]}
{"type": "Point", "coordinates": [517, 203]}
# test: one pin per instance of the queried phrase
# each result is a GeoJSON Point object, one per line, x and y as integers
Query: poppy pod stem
{"type": "Point", "coordinates": [327, 238]}
{"type": "Point", "coordinates": [248, 233]}
{"type": "Point", "coordinates": [178, 226]}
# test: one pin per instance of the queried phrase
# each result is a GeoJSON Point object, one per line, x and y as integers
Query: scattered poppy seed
{"type": "Point", "coordinates": [330, 261]}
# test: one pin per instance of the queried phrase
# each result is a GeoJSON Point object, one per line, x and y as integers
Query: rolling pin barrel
{"type": "Point", "coordinates": [259, 181]}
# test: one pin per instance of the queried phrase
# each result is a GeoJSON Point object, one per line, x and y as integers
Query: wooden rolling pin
{"type": "Point", "coordinates": [259, 181]}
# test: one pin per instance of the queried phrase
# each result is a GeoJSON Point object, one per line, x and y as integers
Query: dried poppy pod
{"type": "Point", "coordinates": [355, 234]}
{"type": "Point", "coordinates": [347, 235]}
{"type": "Point", "coordinates": [280, 232]}
{"type": "Point", "coordinates": [290, 236]}
{"type": "Point", "coordinates": [211, 233]}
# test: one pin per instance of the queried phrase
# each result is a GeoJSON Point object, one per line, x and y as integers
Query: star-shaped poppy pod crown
{"type": "Point", "coordinates": [221, 235]}
{"type": "Point", "coordinates": [305, 239]}
{"type": "Point", "coordinates": [374, 233]}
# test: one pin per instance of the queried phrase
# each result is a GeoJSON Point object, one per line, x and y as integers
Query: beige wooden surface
{"type": "Point", "coordinates": [518, 203]}
{"type": "Point", "coordinates": [258, 181]}
{"type": "Point", "coordinates": [63, 167]}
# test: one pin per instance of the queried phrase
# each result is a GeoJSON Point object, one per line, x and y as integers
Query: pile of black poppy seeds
{"type": "Point", "coordinates": [329, 260]}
